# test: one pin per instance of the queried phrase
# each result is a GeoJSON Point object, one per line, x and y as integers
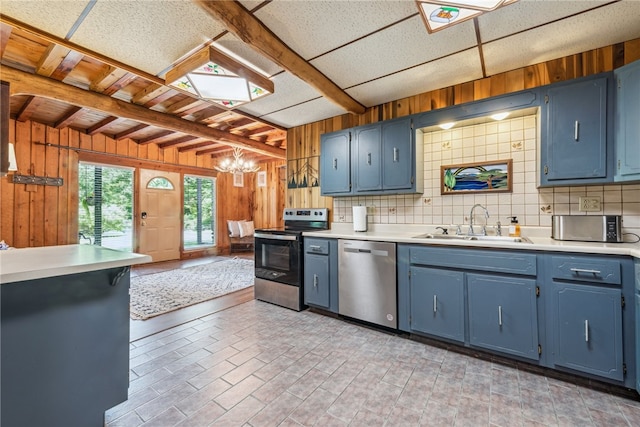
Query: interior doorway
{"type": "Point", "coordinates": [105, 206]}
{"type": "Point", "coordinates": [159, 214]}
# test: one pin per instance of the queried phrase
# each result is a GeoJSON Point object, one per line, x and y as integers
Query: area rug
{"type": "Point", "coordinates": [159, 293]}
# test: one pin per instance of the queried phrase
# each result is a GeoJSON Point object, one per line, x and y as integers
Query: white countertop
{"type": "Point", "coordinates": [17, 265]}
{"type": "Point", "coordinates": [539, 236]}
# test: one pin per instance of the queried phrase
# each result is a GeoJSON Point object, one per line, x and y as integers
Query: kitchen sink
{"type": "Point", "coordinates": [455, 237]}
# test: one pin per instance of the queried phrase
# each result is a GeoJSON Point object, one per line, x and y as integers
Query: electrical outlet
{"type": "Point", "coordinates": [589, 204]}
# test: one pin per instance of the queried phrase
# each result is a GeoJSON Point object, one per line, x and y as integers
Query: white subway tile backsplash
{"type": "Point", "coordinates": [514, 139]}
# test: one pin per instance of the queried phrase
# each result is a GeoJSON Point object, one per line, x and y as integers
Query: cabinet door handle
{"type": "Point", "coordinates": [586, 330]}
{"type": "Point", "coordinates": [395, 154]}
{"type": "Point", "coordinates": [315, 280]}
{"type": "Point", "coordinates": [314, 247]}
{"type": "Point", "coordinates": [583, 270]}
{"type": "Point", "coordinates": [499, 315]}
{"type": "Point", "coordinates": [435, 303]}
{"type": "Point", "coordinates": [335, 163]}
{"type": "Point", "coordinates": [576, 130]}
{"type": "Point", "coordinates": [369, 158]}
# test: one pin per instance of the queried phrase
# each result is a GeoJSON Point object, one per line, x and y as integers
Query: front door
{"type": "Point", "coordinates": [159, 214]}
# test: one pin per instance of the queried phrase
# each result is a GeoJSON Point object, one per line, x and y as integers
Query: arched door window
{"type": "Point", "coordinates": [160, 183]}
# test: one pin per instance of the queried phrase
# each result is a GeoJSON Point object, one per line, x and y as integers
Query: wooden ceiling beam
{"type": "Point", "coordinates": [217, 153]}
{"type": "Point", "coordinates": [180, 106]}
{"type": "Point", "coordinates": [155, 138]}
{"type": "Point", "coordinates": [194, 147]}
{"type": "Point", "coordinates": [177, 141]}
{"type": "Point", "coordinates": [72, 115]}
{"type": "Point", "coordinates": [5, 33]}
{"type": "Point", "coordinates": [51, 60]}
{"type": "Point", "coordinates": [103, 124]}
{"type": "Point", "coordinates": [127, 133]}
{"type": "Point", "coordinates": [250, 30]}
{"type": "Point", "coordinates": [150, 92]}
{"type": "Point", "coordinates": [29, 107]}
{"type": "Point", "coordinates": [119, 84]}
{"type": "Point", "coordinates": [67, 65]}
{"type": "Point", "coordinates": [22, 83]}
{"type": "Point", "coordinates": [158, 83]}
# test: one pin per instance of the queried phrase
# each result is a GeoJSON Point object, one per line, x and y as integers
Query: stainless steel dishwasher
{"type": "Point", "coordinates": [367, 281]}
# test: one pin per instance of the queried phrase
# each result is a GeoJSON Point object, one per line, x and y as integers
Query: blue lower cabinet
{"type": "Point", "coordinates": [588, 336]}
{"type": "Point", "coordinates": [503, 314]}
{"type": "Point", "coordinates": [316, 280]}
{"type": "Point", "coordinates": [437, 302]}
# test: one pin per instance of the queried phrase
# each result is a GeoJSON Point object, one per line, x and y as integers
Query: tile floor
{"type": "Point", "coordinates": [257, 364]}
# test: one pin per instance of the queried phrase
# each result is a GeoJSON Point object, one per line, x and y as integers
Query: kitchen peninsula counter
{"type": "Point", "coordinates": [539, 237]}
{"type": "Point", "coordinates": [64, 334]}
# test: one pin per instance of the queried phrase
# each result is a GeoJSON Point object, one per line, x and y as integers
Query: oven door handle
{"type": "Point", "coordinates": [275, 236]}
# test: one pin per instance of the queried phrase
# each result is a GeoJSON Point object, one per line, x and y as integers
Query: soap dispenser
{"type": "Point", "coordinates": [514, 227]}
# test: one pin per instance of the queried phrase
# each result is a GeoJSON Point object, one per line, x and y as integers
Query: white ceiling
{"type": "Point", "coordinates": [377, 51]}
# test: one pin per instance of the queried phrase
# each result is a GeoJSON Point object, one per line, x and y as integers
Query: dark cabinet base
{"type": "Point", "coordinates": [64, 349]}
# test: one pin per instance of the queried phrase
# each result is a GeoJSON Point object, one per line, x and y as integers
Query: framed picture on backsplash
{"type": "Point", "coordinates": [477, 177]}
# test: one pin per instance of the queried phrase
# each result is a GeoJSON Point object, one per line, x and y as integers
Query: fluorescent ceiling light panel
{"type": "Point", "coordinates": [213, 76]}
{"type": "Point", "coordinates": [438, 15]}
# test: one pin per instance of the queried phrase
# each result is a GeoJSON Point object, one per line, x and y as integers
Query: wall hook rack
{"type": "Point", "coordinates": [37, 180]}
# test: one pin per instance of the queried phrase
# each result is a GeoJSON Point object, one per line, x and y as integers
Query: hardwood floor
{"type": "Point", "coordinates": [143, 328]}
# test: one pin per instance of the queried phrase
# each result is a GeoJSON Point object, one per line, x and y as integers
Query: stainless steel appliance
{"type": "Point", "coordinates": [367, 281]}
{"type": "Point", "coordinates": [279, 259]}
{"type": "Point", "coordinates": [587, 228]}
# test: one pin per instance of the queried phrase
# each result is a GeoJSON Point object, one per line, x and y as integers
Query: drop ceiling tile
{"type": "Point", "coordinates": [396, 48]}
{"type": "Point", "coordinates": [146, 35]}
{"type": "Point", "coordinates": [612, 24]}
{"type": "Point", "coordinates": [309, 112]}
{"type": "Point", "coordinates": [53, 16]}
{"type": "Point", "coordinates": [289, 90]}
{"type": "Point", "coordinates": [314, 27]}
{"type": "Point", "coordinates": [239, 48]}
{"type": "Point", "coordinates": [527, 14]}
{"type": "Point", "coordinates": [459, 68]}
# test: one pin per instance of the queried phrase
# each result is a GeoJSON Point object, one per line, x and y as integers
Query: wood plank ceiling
{"type": "Point", "coordinates": [99, 65]}
{"type": "Point", "coordinates": [63, 85]}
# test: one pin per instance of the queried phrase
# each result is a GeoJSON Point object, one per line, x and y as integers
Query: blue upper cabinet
{"type": "Point", "coordinates": [335, 163]}
{"type": "Point", "coordinates": [367, 155]}
{"type": "Point", "coordinates": [383, 159]}
{"type": "Point", "coordinates": [399, 164]}
{"type": "Point", "coordinates": [576, 125]}
{"type": "Point", "coordinates": [627, 122]}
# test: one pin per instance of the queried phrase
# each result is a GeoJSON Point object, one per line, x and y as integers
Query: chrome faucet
{"type": "Point", "coordinates": [486, 212]}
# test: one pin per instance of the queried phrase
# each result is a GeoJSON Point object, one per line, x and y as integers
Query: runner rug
{"type": "Point", "coordinates": [159, 293]}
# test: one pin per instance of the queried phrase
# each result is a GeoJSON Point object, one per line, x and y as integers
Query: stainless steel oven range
{"type": "Point", "coordinates": [279, 257]}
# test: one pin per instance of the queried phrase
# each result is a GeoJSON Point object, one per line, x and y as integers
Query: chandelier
{"type": "Point", "coordinates": [237, 164]}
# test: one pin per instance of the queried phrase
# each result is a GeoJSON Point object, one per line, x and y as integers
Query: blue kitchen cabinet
{"type": "Point", "coordinates": [321, 273]}
{"type": "Point", "coordinates": [627, 122]}
{"type": "Point", "coordinates": [398, 155]}
{"type": "Point", "coordinates": [367, 155]}
{"type": "Point", "coordinates": [335, 163]}
{"type": "Point", "coordinates": [503, 314]}
{"type": "Point", "coordinates": [437, 302]}
{"type": "Point", "coordinates": [575, 129]}
{"type": "Point", "coordinates": [588, 336]}
{"type": "Point", "coordinates": [382, 160]}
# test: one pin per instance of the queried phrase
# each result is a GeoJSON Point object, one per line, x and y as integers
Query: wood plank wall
{"type": "Point", "coordinates": [34, 215]}
{"type": "Point", "coordinates": [304, 141]}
